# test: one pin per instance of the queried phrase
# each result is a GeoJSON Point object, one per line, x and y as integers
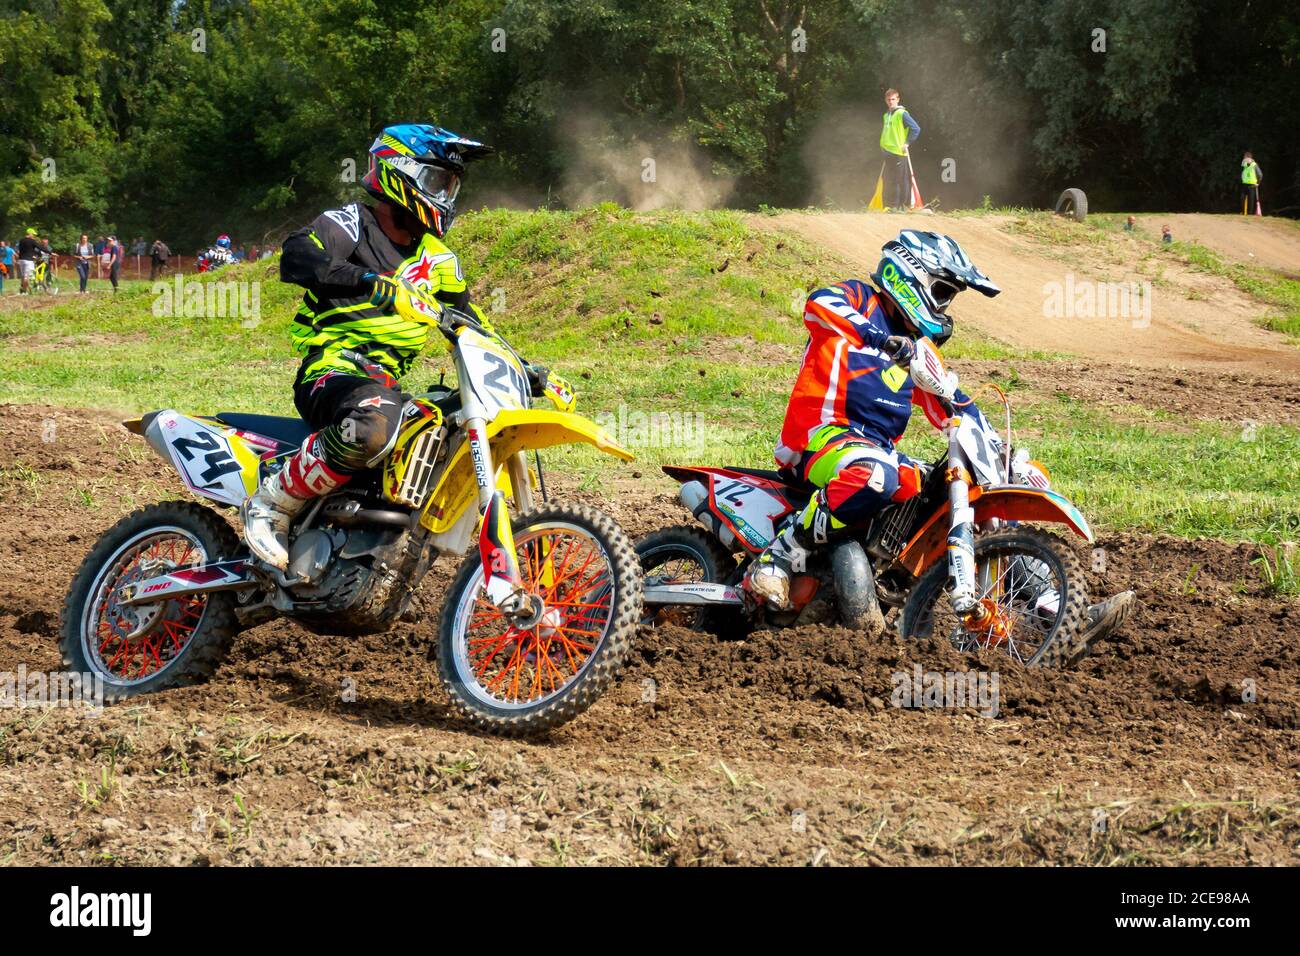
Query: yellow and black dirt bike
{"type": "Point", "coordinates": [44, 281]}
{"type": "Point", "coordinates": [535, 625]}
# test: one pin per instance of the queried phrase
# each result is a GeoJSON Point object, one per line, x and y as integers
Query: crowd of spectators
{"type": "Point", "coordinates": [103, 257]}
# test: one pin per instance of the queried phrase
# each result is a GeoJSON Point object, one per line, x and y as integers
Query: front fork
{"type": "Point", "coordinates": [961, 532]}
{"type": "Point", "coordinates": [503, 583]}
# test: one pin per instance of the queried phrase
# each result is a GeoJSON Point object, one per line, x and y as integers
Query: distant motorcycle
{"type": "Point", "coordinates": [43, 278]}
{"type": "Point", "coordinates": [213, 259]}
{"type": "Point", "coordinates": [960, 559]}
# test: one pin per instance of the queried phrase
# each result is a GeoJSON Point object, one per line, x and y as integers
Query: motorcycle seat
{"type": "Point", "coordinates": [798, 488]}
{"type": "Point", "coordinates": [287, 431]}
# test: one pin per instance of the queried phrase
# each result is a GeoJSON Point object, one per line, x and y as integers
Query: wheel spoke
{"type": "Point", "coordinates": [164, 629]}
{"type": "Point", "coordinates": [1013, 587]}
{"type": "Point", "coordinates": [570, 572]}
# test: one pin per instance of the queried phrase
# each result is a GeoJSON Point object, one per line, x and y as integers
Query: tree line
{"type": "Point", "coordinates": [181, 118]}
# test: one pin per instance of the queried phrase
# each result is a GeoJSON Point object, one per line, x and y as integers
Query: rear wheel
{"type": "Point", "coordinates": [1031, 593]}
{"type": "Point", "coordinates": [516, 681]}
{"type": "Point", "coordinates": [145, 648]}
{"type": "Point", "coordinates": [683, 555]}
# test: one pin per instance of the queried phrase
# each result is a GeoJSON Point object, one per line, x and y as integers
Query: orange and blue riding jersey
{"type": "Point", "coordinates": [851, 403]}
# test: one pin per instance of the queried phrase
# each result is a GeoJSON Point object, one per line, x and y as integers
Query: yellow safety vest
{"type": "Point", "coordinates": [893, 134]}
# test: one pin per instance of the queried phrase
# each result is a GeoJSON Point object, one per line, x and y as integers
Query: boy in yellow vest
{"type": "Point", "coordinates": [1251, 177]}
{"type": "Point", "coordinates": [898, 130]}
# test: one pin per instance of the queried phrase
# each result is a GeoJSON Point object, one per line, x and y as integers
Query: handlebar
{"type": "Point", "coordinates": [452, 319]}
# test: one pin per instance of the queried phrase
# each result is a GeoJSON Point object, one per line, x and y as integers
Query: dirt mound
{"type": "Point", "coordinates": [1193, 324]}
{"type": "Point", "coordinates": [1174, 744]}
{"type": "Point", "coordinates": [1253, 240]}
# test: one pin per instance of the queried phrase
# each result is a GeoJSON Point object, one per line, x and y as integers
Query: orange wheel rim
{"type": "Point", "coordinates": [572, 574]}
{"type": "Point", "coordinates": [131, 645]}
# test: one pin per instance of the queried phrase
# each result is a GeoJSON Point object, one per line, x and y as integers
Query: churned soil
{"type": "Point", "coordinates": [1175, 742]}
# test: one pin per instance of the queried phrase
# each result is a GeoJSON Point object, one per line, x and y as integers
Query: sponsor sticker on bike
{"type": "Point", "coordinates": [205, 460]}
{"type": "Point", "coordinates": [750, 510]}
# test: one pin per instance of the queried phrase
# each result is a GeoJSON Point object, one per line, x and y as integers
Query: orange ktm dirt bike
{"type": "Point", "coordinates": [535, 626]}
{"type": "Point", "coordinates": [961, 559]}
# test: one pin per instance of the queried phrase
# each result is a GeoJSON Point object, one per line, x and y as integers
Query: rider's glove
{"type": "Point", "coordinates": [901, 348]}
{"type": "Point", "coordinates": [383, 290]}
{"type": "Point", "coordinates": [399, 296]}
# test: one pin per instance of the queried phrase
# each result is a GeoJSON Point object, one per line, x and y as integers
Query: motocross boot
{"type": "Point", "coordinates": [268, 513]}
{"type": "Point", "coordinates": [768, 578]}
{"type": "Point", "coordinates": [1108, 616]}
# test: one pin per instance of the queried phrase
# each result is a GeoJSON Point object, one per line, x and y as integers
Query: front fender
{"type": "Point", "coordinates": [1021, 503]}
{"type": "Point", "coordinates": [1008, 502]}
{"type": "Point", "coordinates": [509, 432]}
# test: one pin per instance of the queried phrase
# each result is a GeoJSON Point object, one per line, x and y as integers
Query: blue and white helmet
{"type": "Point", "coordinates": [921, 273]}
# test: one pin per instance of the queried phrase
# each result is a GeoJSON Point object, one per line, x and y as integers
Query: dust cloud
{"type": "Point", "coordinates": [976, 139]}
{"type": "Point", "coordinates": [641, 172]}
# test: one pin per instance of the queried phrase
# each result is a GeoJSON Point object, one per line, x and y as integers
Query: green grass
{"type": "Point", "coordinates": [112, 351]}
{"type": "Point", "coordinates": [692, 317]}
{"type": "Point", "coordinates": [1047, 228]}
{"type": "Point", "coordinates": [1207, 480]}
{"type": "Point", "coordinates": [1279, 568]}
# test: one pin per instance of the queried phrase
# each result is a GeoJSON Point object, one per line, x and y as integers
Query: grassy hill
{"type": "Point", "coordinates": [691, 317]}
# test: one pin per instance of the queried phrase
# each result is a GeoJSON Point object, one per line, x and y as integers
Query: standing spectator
{"type": "Point", "coordinates": [158, 256]}
{"type": "Point", "coordinates": [28, 249]}
{"type": "Point", "coordinates": [6, 262]}
{"type": "Point", "coordinates": [99, 245]}
{"type": "Point", "coordinates": [896, 133]}
{"type": "Point", "coordinates": [83, 252]}
{"type": "Point", "coordinates": [1251, 177]}
{"type": "Point", "coordinates": [113, 252]}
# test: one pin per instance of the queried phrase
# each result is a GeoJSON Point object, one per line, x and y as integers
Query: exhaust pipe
{"type": "Point", "coordinates": [695, 496]}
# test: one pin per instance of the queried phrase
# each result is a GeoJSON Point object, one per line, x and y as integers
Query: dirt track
{"type": "Point", "coordinates": [1256, 241]}
{"type": "Point", "coordinates": [1196, 322]}
{"type": "Point", "coordinates": [782, 748]}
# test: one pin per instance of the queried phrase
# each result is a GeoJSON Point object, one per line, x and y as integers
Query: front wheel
{"type": "Point", "coordinates": [1032, 601]}
{"type": "Point", "coordinates": [517, 681]}
{"type": "Point", "coordinates": [150, 647]}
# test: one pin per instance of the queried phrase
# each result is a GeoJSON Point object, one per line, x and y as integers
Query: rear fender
{"type": "Point", "coordinates": [1008, 502]}
{"type": "Point", "coordinates": [214, 460]}
{"type": "Point", "coordinates": [749, 506]}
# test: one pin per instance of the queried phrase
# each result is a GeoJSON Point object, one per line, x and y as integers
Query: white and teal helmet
{"type": "Point", "coordinates": [921, 273]}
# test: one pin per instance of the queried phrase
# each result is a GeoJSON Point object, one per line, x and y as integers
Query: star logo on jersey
{"type": "Point", "coordinates": [422, 268]}
{"type": "Point", "coordinates": [349, 219]}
